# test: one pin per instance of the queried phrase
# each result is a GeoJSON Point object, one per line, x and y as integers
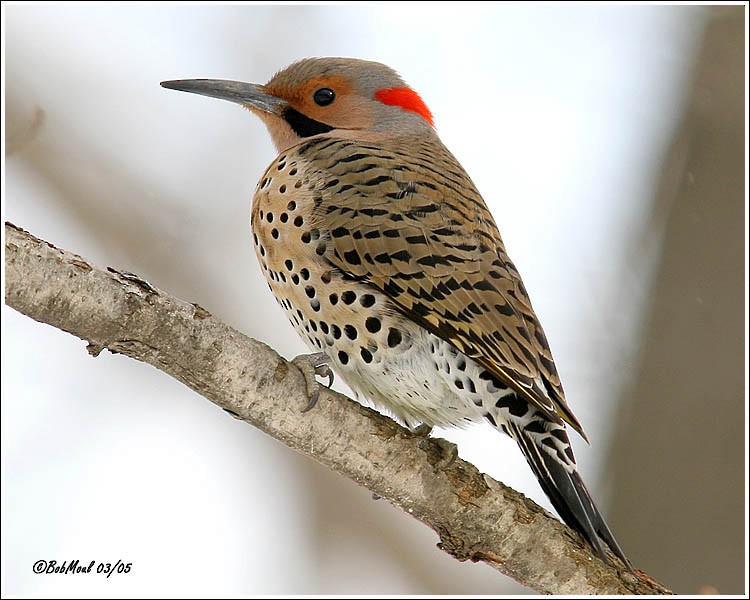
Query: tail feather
{"type": "Point", "coordinates": [569, 496]}
{"type": "Point", "coordinates": [598, 522]}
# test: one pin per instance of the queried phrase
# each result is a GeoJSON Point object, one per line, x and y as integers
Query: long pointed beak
{"type": "Point", "coordinates": [248, 94]}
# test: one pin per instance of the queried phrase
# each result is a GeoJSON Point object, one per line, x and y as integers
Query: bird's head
{"type": "Point", "coordinates": [325, 97]}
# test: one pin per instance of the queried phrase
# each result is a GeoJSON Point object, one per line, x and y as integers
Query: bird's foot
{"type": "Point", "coordinates": [446, 455]}
{"type": "Point", "coordinates": [449, 452]}
{"type": "Point", "coordinates": [313, 365]}
{"type": "Point", "coordinates": [422, 430]}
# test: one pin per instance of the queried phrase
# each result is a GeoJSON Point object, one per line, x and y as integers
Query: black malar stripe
{"type": "Point", "coordinates": [304, 126]}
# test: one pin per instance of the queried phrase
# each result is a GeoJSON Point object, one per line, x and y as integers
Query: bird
{"type": "Point", "coordinates": [389, 265]}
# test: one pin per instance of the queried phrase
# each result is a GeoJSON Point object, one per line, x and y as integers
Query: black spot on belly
{"type": "Point", "coordinates": [515, 405]}
{"type": "Point", "coordinates": [536, 427]}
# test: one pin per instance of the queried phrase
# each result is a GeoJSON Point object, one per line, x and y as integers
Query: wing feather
{"type": "Point", "coordinates": [411, 223]}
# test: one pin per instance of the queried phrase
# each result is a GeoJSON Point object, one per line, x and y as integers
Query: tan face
{"type": "Point", "coordinates": [348, 110]}
{"type": "Point", "coordinates": [330, 101]}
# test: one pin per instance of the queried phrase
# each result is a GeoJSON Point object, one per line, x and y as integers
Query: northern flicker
{"type": "Point", "coordinates": [384, 256]}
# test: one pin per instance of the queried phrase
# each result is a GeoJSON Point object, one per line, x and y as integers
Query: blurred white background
{"type": "Point", "coordinates": [562, 115]}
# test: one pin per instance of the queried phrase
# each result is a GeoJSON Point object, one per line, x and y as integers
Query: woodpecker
{"type": "Point", "coordinates": [389, 265]}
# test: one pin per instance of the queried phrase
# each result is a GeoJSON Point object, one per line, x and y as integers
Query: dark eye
{"type": "Point", "coordinates": [324, 96]}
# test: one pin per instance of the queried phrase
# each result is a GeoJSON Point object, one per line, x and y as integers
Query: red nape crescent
{"type": "Point", "coordinates": [407, 99]}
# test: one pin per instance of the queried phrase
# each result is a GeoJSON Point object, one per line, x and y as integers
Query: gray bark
{"type": "Point", "coordinates": [475, 517]}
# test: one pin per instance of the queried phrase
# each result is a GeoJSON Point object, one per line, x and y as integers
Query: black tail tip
{"type": "Point", "coordinates": [596, 530]}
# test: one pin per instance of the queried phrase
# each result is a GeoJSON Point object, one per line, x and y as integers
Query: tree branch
{"type": "Point", "coordinates": [476, 517]}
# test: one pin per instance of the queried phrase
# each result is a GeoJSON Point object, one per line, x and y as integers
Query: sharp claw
{"type": "Point", "coordinates": [452, 456]}
{"type": "Point", "coordinates": [450, 453]}
{"type": "Point", "coordinates": [312, 365]}
{"type": "Point", "coordinates": [330, 377]}
{"type": "Point", "coordinates": [233, 414]}
{"type": "Point", "coordinates": [312, 402]}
